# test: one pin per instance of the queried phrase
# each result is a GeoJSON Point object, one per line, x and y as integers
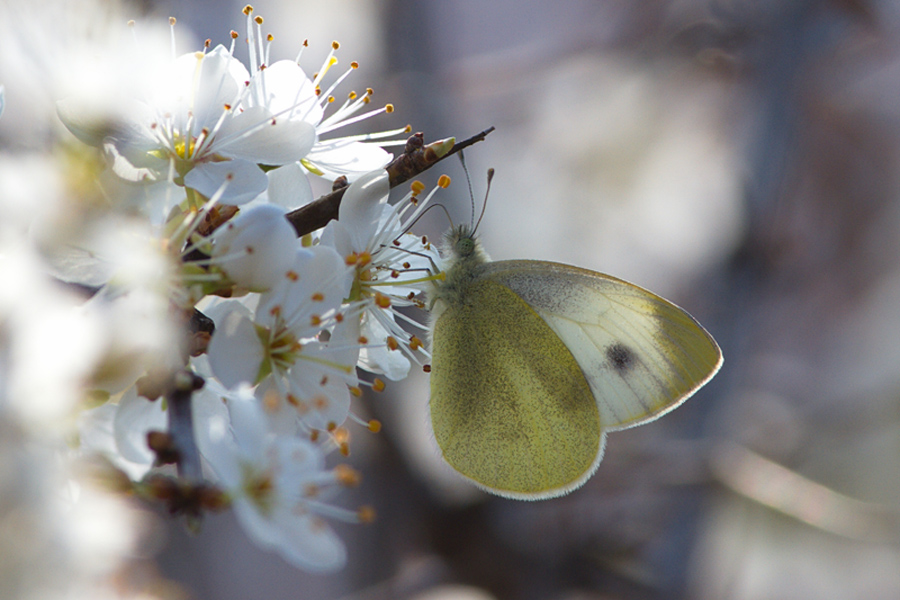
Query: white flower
{"type": "Point", "coordinates": [256, 248]}
{"type": "Point", "coordinates": [280, 347]}
{"type": "Point", "coordinates": [390, 270]}
{"type": "Point", "coordinates": [285, 87]}
{"type": "Point", "coordinates": [279, 485]}
{"type": "Point", "coordinates": [200, 129]}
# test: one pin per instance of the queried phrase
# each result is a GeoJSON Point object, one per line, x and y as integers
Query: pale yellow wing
{"type": "Point", "coordinates": [641, 355]}
{"type": "Point", "coordinates": [505, 416]}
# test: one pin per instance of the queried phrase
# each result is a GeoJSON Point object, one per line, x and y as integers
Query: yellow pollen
{"type": "Point", "coordinates": [374, 425]}
{"type": "Point", "coordinates": [388, 108]}
{"type": "Point", "coordinates": [363, 340]}
{"type": "Point", "coordinates": [415, 343]}
{"type": "Point", "coordinates": [369, 91]}
{"type": "Point", "coordinates": [247, 10]}
{"type": "Point", "coordinates": [417, 187]}
{"type": "Point", "coordinates": [227, 106]}
{"type": "Point", "coordinates": [366, 100]}
{"type": "Point", "coordinates": [378, 385]}
{"type": "Point", "coordinates": [392, 343]}
{"type": "Point", "coordinates": [354, 65]}
{"type": "Point", "coordinates": [352, 95]}
{"type": "Point", "coordinates": [407, 129]}
{"type": "Point", "coordinates": [382, 301]}
{"type": "Point", "coordinates": [314, 435]}
{"type": "Point", "coordinates": [270, 37]}
{"type": "Point", "coordinates": [234, 34]}
{"type": "Point", "coordinates": [364, 259]}
{"type": "Point", "coordinates": [443, 182]}
{"type": "Point", "coordinates": [258, 20]}
{"type": "Point", "coordinates": [270, 401]}
{"type": "Point", "coordinates": [292, 275]}
{"type": "Point", "coordinates": [355, 391]}
{"type": "Point", "coordinates": [352, 259]}
{"type": "Point", "coordinates": [344, 449]}
{"type": "Point", "coordinates": [346, 476]}
{"type": "Point", "coordinates": [318, 297]}
{"type": "Point", "coordinates": [330, 99]}
{"type": "Point", "coordinates": [315, 320]}
{"type": "Point", "coordinates": [335, 45]}
{"type": "Point", "coordinates": [172, 20]}
{"type": "Point", "coordinates": [406, 265]}
{"type": "Point", "coordinates": [365, 514]}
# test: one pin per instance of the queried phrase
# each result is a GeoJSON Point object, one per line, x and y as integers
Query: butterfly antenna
{"type": "Point", "coordinates": [462, 160]}
{"type": "Point", "coordinates": [490, 178]}
{"type": "Point", "coordinates": [410, 225]}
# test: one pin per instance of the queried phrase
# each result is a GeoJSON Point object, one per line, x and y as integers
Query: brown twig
{"type": "Point", "coordinates": [417, 158]}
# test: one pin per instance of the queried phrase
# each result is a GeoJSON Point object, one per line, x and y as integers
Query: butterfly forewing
{"type": "Point", "coordinates": [503, 414]}
{"type": "Point", "coordinates": [641, 354]}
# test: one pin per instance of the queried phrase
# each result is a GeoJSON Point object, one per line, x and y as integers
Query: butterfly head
{"type": "Point", "coordinates": [461, 245]}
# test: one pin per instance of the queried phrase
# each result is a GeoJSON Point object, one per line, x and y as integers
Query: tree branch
{"type": "Point", "coordinates": [416, 158]}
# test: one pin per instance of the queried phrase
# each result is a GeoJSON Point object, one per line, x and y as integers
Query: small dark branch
{"type": "Point", "coordinates": [181, 426]}
{"type": "Point", "coordinates": [417, 157]}
{"type": "Point", "coordinates": [469, 142]}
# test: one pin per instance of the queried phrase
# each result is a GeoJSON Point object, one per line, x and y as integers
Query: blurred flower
{"type": "Point", "coordinates": [279, 486]}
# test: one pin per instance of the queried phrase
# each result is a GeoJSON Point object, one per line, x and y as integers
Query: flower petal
{"type": "Point", "coordinates": [235, 352]}
{"type": "Point", "coordinates": [289, 186]}
{"type": "Point", "coordinates": [243, 180]}
{"type": "Point", "coordinates": [257, 135]}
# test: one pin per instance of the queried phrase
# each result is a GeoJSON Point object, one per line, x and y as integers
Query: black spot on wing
{"type": "Point", "coordinates": [620, 357]}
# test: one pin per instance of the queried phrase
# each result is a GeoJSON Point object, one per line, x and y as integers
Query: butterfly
{"type": "Point", "coordinates": [533, 362]}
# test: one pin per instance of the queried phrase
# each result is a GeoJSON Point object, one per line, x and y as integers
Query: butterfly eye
{"type": "Point", "coordinates": [465, 246]}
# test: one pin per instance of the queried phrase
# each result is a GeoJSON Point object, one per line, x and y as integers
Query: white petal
{"type": "Point", "coordinates": [258, 247]}
{"type": "Point", "coordinates": [135, 417]}
{"type": "Point", "coordinates": [309, 543]}
{"type": "Point", "coordinates": [353, 159]}
{"type": "Point", "coordinates": [377, 358]}
{"type": "Point", "coordinates": [318, 271]}
{"type": "Point", "coordinates": [235, 352]}
{"type": "Point", "coordinates": [95, 429]}
{"type": "Point", "coordinates": [361, 206]}
{"type": "Point", "coordinates": [201, 87]}
{"type": "Point", "coordinates": [245, 181]}
{"type": "Point", "coordinates": [329, 402]}
{"type": "Point", "coordinates": [289, 186]}
{"type": "Point", "coordinates": [285, 90]}
{"type": "Point", "coordinates": [257, 135]}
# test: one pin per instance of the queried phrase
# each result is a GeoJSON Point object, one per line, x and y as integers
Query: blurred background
{"type": "Point", "coordinates": [739, 157]}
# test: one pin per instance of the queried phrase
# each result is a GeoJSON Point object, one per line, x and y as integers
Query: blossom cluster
{"type": "Point", "coordinates": [166, 316]}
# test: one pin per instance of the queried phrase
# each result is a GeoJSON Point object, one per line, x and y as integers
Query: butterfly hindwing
{"type": "Point", "coordinates": [641, 355]}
